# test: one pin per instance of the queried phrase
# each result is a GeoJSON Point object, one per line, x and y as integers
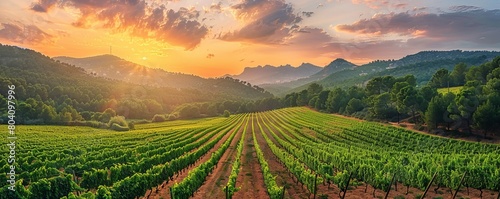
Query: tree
{"type": "Point", "coordinates": [396, 88]}
{"type": "Point", "coordinates": [48, 114]}
{"type": "Point", "coordinates": [354, 105]}
{"type": "Point", "coordinates": [226, 113]}
{"type": "Point", "coordinates": [25, 112]}
{"type": "Point", "coordinates": [212, 110]}
{"type": "Point", "coordinates": [375, 86]}
{"type": "Point", "coordinates": [290, 100]}
{"type": "Point", "coordinates": [440, 79]}
{"type": "Point", "coordinates": [408, 98]}
{"type": "Point", "coordinates": [107, 115]}
{"type": "Point", "coordinates": [302, 98]}
{"type": "Point", "coordinates": [457, 76]}
{"type": "Point", "coordinates": [314, 89]}
{"type": "Point", "coordinates": [434, 112]}
{"type": "Point", "coordinates": [189, 111]}
{"type": "Point", "coordinates": [337, 101]}
{"type": "Point", "coordinates": [313, 100]}
{"type": "Point", "coordinates": [410, 79]}
{"type": "Point", "coordinates": [381, 107]}
{"type": "Point", "coordinates": [467, 102]}
{"type": "Point", "coordinates": [486, 117]}
{"type": "Point", "coordinates": [428, 93]}
{"type": "Point", "coordinates": [320, 104]}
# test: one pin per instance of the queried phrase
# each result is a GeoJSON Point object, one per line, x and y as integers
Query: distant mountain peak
{"type": "Point", "coordinates": [269, 74]}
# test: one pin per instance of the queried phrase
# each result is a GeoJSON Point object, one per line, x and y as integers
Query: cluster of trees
{"type": "Point", "coordinates": [390, 98]}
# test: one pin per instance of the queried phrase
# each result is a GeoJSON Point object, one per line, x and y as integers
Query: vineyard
{"type": "Point", "coordinates": [285, 153]}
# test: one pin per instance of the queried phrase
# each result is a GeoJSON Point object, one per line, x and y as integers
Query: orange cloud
{"type": "Point", "coordinates": [267, 22]}
{"type": "Point", "coordinates": [179, 28]}
{"type": "Point", "coordinates": [24, 34]}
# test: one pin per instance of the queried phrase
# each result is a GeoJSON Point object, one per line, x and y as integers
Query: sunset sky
{"type": "Point", "coordinates": [213, 38]}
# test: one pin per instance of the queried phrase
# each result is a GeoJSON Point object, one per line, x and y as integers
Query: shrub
{"type": "Point", "coordinates": [159, 118]}
{"type": "Point", "coordinates": [120, 120]}
{"type": "Point", "coordinates": [118, 127]}
{"type": "Point", "coordinates": [131, 125]}
{"type": "Point", "coordinates": [172, 117]}
{"type": "Point", "coordinates": [226, 113]}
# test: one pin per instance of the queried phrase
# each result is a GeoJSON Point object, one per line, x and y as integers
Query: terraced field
{"type": "Point", "coordinates": [285, 153]}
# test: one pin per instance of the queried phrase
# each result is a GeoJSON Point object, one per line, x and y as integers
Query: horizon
{"type": "Point", "coordinates": [225, 37]}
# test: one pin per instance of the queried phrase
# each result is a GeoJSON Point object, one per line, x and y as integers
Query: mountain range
{"type": "Point", "coordinates": [276, 74]}
{"type": "Point", "coordinates": [342, 73]}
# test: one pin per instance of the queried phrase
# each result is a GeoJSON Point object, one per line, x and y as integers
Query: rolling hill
{"type": "Point", "coordinates": [48, 88]}
{"type": "Point", "coordinates": [114, 67]}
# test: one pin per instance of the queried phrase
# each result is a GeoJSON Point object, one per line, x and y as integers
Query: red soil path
{"type": "Point", "coordinates": [250, 178]}
{"type": "Point", "coordinates": [214, 184]}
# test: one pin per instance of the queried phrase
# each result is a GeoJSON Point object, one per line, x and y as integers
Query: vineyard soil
{"type": "Point", "coordinates": [165, 192]}
{"type": "Point", "coordinates": [250, 179]}
{"type": "Point", "coordinates": [213, 187]}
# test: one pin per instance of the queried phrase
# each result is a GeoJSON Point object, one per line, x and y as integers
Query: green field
{"type": "Point", "coordinates": [454, 90]}
{"type": "Point", "coordinates": [57, 161]}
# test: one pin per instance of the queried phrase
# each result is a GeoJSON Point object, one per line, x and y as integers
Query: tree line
{"type": "Point", "coordinates": [389, 98]}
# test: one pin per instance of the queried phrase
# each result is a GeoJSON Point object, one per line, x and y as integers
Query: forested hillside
{"type": "Point", "coordinates": [389, 98]}
{"type": "Point", "coordinates": [113, 67]}
{"type": "Point", "coordinates": [422, 65]}
{"type": "Point", "coordinates": [48, 91]}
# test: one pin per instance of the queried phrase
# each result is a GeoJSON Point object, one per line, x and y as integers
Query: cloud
{"type": "Point", "coordinates": [375, 4]}
{"type": "Point", "coordinates": [266, 21]}
{"type": "Point", "coordinates": [382, 4]}
{"type": "Point", "coordinates": [179, 28]}
{"type": "Point", "coordinates": [471, 25]}
{"type": "Point", "coordinates": [307, 14]}
{"type": "Point", "coordinates": [215, 8]}
{"type": "Point", "coordinates": [43, 5]}
{"type": "Point", "coordinates": [24, 34]}
{"type": "Point", "coordinates": [464, 8]}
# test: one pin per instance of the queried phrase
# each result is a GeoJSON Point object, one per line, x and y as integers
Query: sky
{"type": "Point", "coordinates": [218, 37]}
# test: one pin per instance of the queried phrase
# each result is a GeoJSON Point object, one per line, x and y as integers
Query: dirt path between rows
{"type": "Point", "coordinates": [250, 178]}
{"type": "Point", "coordinates": [214, 184]}
{"type": "Point", "coordinates": [283, 176]}
{"type": "Point", "coordinates": [164, 192]}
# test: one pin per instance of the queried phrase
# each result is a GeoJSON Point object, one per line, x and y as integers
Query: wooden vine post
{"type": "Point", "coordinates": [429, 185]}
{"type": "Point", "coordinates": [460, 184]}
{"type": "Point", "coordinates": [389, 188]}
{"type": "Point", "coordinates": [315, 187]}
{"type": "Point", "coordinates": [227, 195]}
{"type": "Point", "coordinates": [347, 185]}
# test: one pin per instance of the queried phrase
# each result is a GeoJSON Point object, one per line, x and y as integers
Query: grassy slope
{"type": "Point", "coordinates": [454, 90]}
